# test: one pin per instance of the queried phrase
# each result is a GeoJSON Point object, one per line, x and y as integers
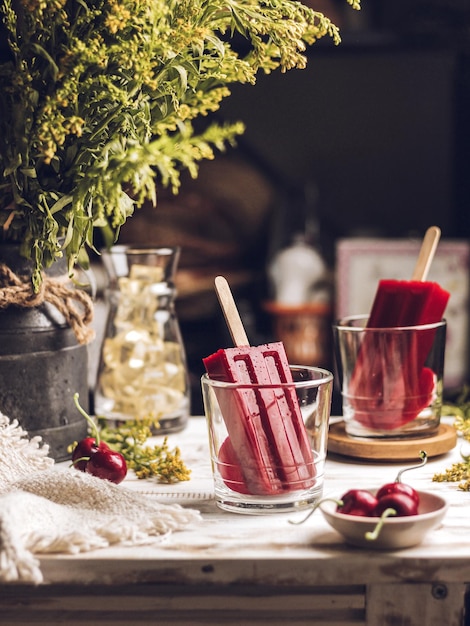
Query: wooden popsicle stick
{"type": "Point", "coordinates": [230, 311]}
{"type": "Point", "coordinates": [426, 254]}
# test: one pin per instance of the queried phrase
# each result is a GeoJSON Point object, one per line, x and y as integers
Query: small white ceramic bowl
{"type": "Point", "coordinates": [396, 533]}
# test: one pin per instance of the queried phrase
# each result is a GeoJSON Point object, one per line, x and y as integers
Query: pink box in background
{"type": "Point", "coordinates": [362, 262]}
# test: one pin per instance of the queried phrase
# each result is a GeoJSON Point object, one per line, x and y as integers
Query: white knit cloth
{"type": "Point", "coordinates": [44, 509]}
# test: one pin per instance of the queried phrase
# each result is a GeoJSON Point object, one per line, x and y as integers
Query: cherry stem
{"type": "Point", "coordinates": [94, 429]}
{"type": "Point", "coordinates": [372, 535]}
{"type": "Point", "coordinates": [423, 457]}
{"type": "Point", "coordinates": [314, 508]}
{"type": "Point", "coordinates": [82, 458]}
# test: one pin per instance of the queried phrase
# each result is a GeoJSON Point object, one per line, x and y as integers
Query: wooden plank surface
{"type": "Point", "coordinates": [416, 605]}
{"type": "Point", "coordinates": [244, 569]}
{"type": "Point", "coordinates": [183, 605]}
{"type": "Point", "coordinates": [232, 548]}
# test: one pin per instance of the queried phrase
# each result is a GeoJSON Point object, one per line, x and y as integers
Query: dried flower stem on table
{"type": "Point", "coordinates": [459, 471]}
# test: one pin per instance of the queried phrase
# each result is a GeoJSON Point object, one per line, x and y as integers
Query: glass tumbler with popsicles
{"type": "Point", "coordinates": [142, 372]}
{"type": "Point", "coordinates": [391, 363]}
{"type": "Point", "coordinates": [267, 423]}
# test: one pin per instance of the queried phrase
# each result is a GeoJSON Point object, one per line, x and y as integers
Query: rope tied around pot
{"type": "Point", "coordinates": [18, 291]}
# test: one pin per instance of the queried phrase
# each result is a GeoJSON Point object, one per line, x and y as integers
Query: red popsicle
{"type": "Point", "coordinates": [389, 392]}
{"type": "Point", "coordinates": [265, 426]}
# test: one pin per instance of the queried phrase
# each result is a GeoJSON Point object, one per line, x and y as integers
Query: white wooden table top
{"type": "Point", "coordinates": [234, 548]}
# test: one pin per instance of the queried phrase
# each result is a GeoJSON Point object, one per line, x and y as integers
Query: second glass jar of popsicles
{"type": "Point", "coordinates": [142, 372]}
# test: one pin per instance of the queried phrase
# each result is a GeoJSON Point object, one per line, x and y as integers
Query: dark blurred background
{"type": "Point", "coordinates": [380, 123]}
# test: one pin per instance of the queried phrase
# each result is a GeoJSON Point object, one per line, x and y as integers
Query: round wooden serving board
{"type": "Point", "coordinates": [390, 449]}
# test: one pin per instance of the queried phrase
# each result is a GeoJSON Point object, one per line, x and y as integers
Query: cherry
{"type": "Point", "coordinates": [229, 468]}
{"type": "Point", "coordinates": [399, 487]}
{"type": "Point", "coordinates": [95, 457]}
{"type": "Point", "coordinates": [108, 464]}
{"type": "Point", "coordinates": [357, 502]}
{"type": "Point", "coordinates": [82, 452]}
{"type": "Point", "coordinates": [401, 503]}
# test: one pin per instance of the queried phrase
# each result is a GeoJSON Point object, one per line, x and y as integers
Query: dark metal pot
{"type": "Point", "coordinates": [41, 367]}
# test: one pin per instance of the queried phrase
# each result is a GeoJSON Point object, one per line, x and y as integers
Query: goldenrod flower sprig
{"type": "Point", "coordinates": [148, 460]}
{"type": "Point", "coordinates": [460, 471]}
{"type": "Point", "coordinates": [98, 100]}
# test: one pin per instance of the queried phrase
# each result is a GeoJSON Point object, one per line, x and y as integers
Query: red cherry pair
{"type": "Point", "coordinates": [397, 496]}
{"type": "Point", "coordinates": [364, 504]}
{"type": "Point", "coordinates": [95, 457]}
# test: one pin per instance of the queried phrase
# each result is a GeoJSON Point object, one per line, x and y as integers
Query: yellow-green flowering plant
{"type": "Point", "coordinates": [99, 99]}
